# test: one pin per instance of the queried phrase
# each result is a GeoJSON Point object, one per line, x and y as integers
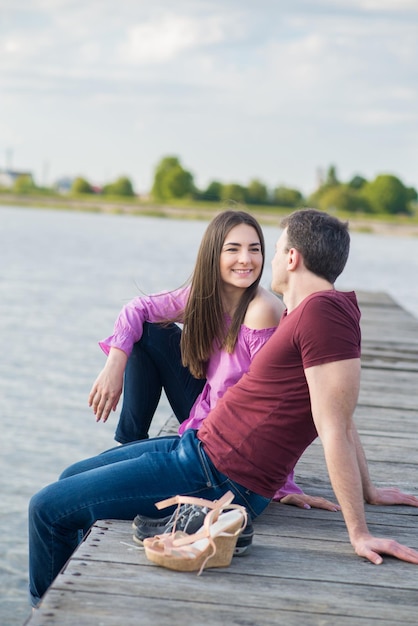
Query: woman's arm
{"type": "Point", "coordinates": [161, 307]}
{"type": "Point", "coordinates": [107, 388]}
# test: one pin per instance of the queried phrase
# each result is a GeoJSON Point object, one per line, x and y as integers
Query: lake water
{"type": "Point", "coordinates": [63, 278]}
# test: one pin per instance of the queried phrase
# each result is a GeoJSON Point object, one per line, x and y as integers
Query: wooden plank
{"type": "Point", "coordinates": [384, 322]}
{"type": "Point", "coordinates": [400, 357]}
{"type": "Point", "coordinates": [301, 570]}
{"type": "Point", "coordinates": [111, 610]}
{"type": "Point", "coordinates": [278, 579]}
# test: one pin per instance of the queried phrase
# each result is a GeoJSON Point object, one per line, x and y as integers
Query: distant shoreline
{"type": "Point", "coordinates": [268, 217]}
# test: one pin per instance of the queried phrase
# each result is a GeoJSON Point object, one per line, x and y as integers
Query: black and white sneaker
{"type": "Point", "coordinates": [245, 540]}
{"type": "Point", "coordinates": [189, 519]}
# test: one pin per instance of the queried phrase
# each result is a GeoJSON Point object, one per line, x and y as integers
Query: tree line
{"type": "Point", "coordinates": [384, 194]}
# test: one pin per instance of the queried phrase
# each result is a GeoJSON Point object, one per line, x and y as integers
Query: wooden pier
{"type": "Point", "coordinates": [301, 570]}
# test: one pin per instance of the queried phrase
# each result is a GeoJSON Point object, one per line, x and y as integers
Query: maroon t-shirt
{"type": "Point", "coordinates": [261, 426]}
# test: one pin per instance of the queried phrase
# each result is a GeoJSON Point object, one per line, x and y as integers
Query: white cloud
{"type": "Point", "coordinates": [220, 81]}
{"type": "Point", "coordinates": [164, 38]}
{"type": "Point", "coordinates": [382, 117]}
{"type": "Point", "coordinates": [386, 5]}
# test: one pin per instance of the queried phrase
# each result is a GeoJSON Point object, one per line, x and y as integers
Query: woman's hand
{"type": "Point", "coordinates": [107, 388]}
{"type": "Point", "coordinates": [303, 501]}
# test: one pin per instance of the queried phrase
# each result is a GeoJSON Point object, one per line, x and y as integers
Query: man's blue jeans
{"type": "Point", "coordinates": [118, 484]}
{"type": "Point", "coordinates": [154, 365]}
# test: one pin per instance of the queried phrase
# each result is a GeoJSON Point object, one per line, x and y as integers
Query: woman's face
{"type": "Point", "coordinates": [241, 259]}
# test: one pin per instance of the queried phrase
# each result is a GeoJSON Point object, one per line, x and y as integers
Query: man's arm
{"type": "Point", "coordinates": [379, 495]}
{"type": "Point", "coordinates": [334, 389]}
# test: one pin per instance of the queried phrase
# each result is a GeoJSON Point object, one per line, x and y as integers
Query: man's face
{"type": "Point", "coordinates": [279, 264]}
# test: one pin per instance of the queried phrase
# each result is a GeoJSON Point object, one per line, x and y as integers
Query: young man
{"type": "Point", "coordinates": [303, 383]}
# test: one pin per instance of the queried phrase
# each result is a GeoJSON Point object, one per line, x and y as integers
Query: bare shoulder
{"type": "Point", "coordinates": [264, 311]}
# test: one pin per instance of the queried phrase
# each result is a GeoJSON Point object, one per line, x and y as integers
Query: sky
{"type": "Point", "coordinates": [276, 90]}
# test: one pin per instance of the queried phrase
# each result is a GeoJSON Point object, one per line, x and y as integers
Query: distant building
{"type": "Point", "coordinates": [9, 177]}
{"type": "Point", "coordinates": [64, 184]}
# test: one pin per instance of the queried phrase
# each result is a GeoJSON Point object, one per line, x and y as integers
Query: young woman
{"type": "Point", "coordinates": [226, 316]}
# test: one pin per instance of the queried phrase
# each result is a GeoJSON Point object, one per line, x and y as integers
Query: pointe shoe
{"type": "Point", "coordinates": [211, 546]}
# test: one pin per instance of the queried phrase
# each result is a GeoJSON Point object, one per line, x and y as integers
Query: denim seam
{"type": "Point", "coordinates": [205, 465]}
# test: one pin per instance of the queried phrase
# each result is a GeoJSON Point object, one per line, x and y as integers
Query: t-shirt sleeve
{"type": "Point", "coordinates": [328, 331]}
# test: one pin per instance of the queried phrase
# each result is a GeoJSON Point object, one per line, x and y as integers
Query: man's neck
{"type": "Point", "coordinates": [302, 287]}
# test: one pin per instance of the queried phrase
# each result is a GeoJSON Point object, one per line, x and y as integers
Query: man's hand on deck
{"type": "Point", "coordinates": [373, 547]}
{"type": "Point", "coordinates": [391, 496]}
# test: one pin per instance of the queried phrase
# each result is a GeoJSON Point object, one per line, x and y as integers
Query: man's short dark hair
{"type": "Point", "coordinates": [323, 241]}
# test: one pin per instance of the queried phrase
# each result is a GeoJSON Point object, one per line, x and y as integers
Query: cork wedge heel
{"type": "Point", "coordinates": [211, 546]}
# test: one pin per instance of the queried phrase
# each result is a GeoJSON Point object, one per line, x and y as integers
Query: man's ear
{"type": "Point", "coordinates": [293, 259]}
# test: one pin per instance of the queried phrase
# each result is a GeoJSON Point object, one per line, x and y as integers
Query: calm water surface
{"type": "Point", "coordinates": [63, 278]}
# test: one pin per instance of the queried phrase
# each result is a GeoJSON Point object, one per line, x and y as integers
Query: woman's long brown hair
{"type": "Point", "coordinates": [204, 327]}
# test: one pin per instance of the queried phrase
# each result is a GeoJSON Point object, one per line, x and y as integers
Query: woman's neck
{"type": "Point", "coordinates": [230, 302]}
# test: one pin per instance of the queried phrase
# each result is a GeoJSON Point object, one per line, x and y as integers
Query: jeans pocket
{"type": "Point", "coordinates": [207, 466]}
{"type": "Point", "coordinates": [253, 502]}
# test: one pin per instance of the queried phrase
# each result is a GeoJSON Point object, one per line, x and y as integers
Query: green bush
{"type": "Point", "coordinates": [121, 187]}
{"type": "Point", "coordinates": [24, 184]}
{"type": "Point", "coordinates": [233, 192]}
{"type": "Point", "coordinates": [213, 192]}
{"type": "Point", "coordinates": [171, 180]}
{"type": "Point", "coordinates": [387, 194]}
{"type": "Point", "coordinates": [256, 193]}
{"type": "Point", "coordinates": [81, 185]}
{"type": "Point", "coordinates": [284, 196]}
{"type": "Point", "coordinates": [343, 198]}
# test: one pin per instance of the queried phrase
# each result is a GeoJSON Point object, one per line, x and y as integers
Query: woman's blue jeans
{"type": "Point", "coordinates": [118, 484]}
{"type": "Point", "coordinates": [154, 365]}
